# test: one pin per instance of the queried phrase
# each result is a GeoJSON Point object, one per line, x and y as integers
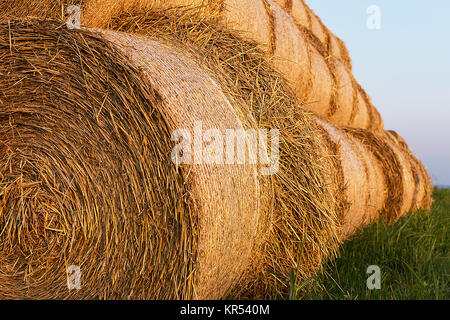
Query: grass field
{"type": "Point", "coordinates": [413, 256]}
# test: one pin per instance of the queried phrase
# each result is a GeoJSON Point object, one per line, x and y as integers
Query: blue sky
{"type": "Point", "coordinates": [405, 68]}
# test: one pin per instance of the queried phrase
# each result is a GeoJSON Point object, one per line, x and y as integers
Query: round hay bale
{"type": "Point", "coordinates": [341, 107]}
{"type": "Point", "coordinates": [289, 39]}
{"type": "Point", "coordinates": [393, 170]}
{"type": "Point", "coordinates": [364, 191]}
{"type": "Point", "coordinates": [86, 174]}
{"type": "Point", "coordinates": [321, 87]}
{"type": "Point", "coordinates": [410, 183]}
{"type": "Point", "coordinates": [303, 211]}
{"type": "Point", "coordinates": [317, 29]}
{"type": "Point", "coordinates": [422, 198]}
{"type": "Point", "coordinates": [297, 9]}
{"type": "Point", "coordinates": [306, 18]}
{"type": "Point", "coordinates": [393, 183]}
{"type": "Point", "coordinates": [361, 113]}
{"type": "Point", "coordinates": [381, 176]}
{"type": "Point", "coordinates": [348, 95]}
{"type": "Point", "coordinates": [259, 27]}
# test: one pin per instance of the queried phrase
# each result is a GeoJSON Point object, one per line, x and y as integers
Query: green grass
{"type": "Point", "coordinates": [412, 255]}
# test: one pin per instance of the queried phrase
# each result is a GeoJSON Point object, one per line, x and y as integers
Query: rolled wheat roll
{"type": "Point", "coordinates": [302, 209]}
{"type": "Point", "coordinates": [423, 187]}
{"type": "Point", "coordinates": [335, 47]}
{"type": "Point", "coordinates": [317, 28]}
{"type": "Point", "coordinates": [321, 87]}
{"type": "Point", "coordinates": [86, 167]}
{"type": "Point", "coordinates": [381, 176]}
{"type": "Point", "coordinates": [280, 249]}
{"type": "Point", "coordinates": [209, 259]}
{"type": "Point", "coordinates": [361, 113]}
{"type": "Point", "coordinates": [396, 172]}
{"type": "Point", "coordinates": [305, 17]}
{"type": "Point", "coordinates": [409, 184]}
{"type": "Point", "coordinates": [330, 78]}
{"type": "Point", "coordinates": [251, 19]}
{"type": "Point", "coordinates": [364, 188]}
{"type": "Point", "coordinates": [303, 213]}
{"type": "Point", "coordinates": [295, 68]}
{"type": "Point", "coordinates": [275, 32]}
{"type": "Point", "coordinates": [298, 11]}
{"type": "Point", "coordinates": [342, 103]}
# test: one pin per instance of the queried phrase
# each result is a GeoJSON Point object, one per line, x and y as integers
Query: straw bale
{"type": "Point", "coordinates": [364, 191]}
{"type": "Point", "coordinates": [423, 187]}
{"type": "Point", "coordinates": [86, 176]}
{"type": "Point", "coordinates": [299, 216]}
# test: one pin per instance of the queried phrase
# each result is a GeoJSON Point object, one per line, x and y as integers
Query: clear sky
{"type": "Point", "coordinates": [404, 66]}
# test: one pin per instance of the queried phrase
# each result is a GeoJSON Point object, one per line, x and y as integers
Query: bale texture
{"type": "Point", "coordinates": [422, 197]}
{"type": "Point", "coordinates": [286, 43]}
{"type": "Point", "coordinates": [362, 191]}
{"type": "Point", "coordinates": [306, 18]}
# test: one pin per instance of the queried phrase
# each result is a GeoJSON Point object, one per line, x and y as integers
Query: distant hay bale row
{"type": "Point", "coordinates": [305, 17]}
{"type": "Point", "coordinates": [180, 25]}
{"type": "Point", "coordinates": [298, 9]}
{"type": "Point", "coordinates": [314, 61]}
{"type": "Point", "coordinates": [374, 175]}
{"type": "Point", "coordinates": [87, 178]}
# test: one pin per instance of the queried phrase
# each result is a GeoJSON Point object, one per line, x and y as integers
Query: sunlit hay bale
{"type": "Point", "coordinates": [287, 43]}
{"type": "Point", "coordinates": [403, 173]}
{"type": "Point", "coordinates": [303, 202]}
{"type": "Point", "coordinates": [310, 57]}
{"type": "Point", "coordinates": [333, 75]}
{"type": "Point", "coordinates": [362, 192]}
{"type": "Point", "coordinates": [380, 196]}
{"type": "Point", "coordinates": [162, 20]}
{"type": "Point", "coordinates": [306, 18]}
{"type": "Point", "coordinates": [87, 177]}
{"type": "Point", "coordinates": [409, 184]}
{"type": "Point", "coordinates": [301, 209]}
{"type": "Point", "coordinates": [381, 176]}
{"type": "Point", "coordinates": [396, 170]}
{"type": "Point", "coordinates": [422, 198]}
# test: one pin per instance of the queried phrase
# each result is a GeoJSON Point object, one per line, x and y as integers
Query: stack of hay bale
{"type": "Point", "coordinates": [86, 176]}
